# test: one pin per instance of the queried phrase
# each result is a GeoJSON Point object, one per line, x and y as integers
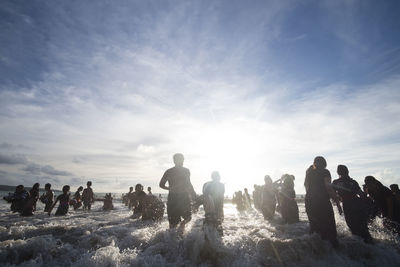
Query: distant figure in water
{"type": "Point", "coordinates": [30, 205]}
{"type": "Point", "coordinates": [318, 206]}
{"type": "Point", "coordinates": [64, 202]}
{"type": "Point", "coordinates": [257, 197]}
{"type": "Point", "coordinates": [180, 192]}
{"type": "Point", "coordinates": [153, 208]}
{"type": "Point", "coordinates": [149, 191]}
{"type": "Point", "coordinates": [213, 194]}
{"type": "Point", "coordinates": [47, 198]}
{"type": "Point", "coordinates": [268, 198]}
{"type": "Point", "coordinates": [385, 202]}
{"type": "Point", "coordinates": [287, 199]}
{"type": "Point", "coordinates": [354, 203]}
{"type": "Point", "coordinates": [18, 199]}
{"type": "Point", "coordinates": [88, 196]}
{"type": "Point", "coordinates": [76, 202]}
{"type": "Point", "coordinates": [238, 200]}
{"type": "Point", "coordinates": [247, 199]}
{"type": "Point", "coordinates": [108, 205]}
{"type": "Point", "coordinates": [137, 200]}
{"type": "Point", "coordinates": [129, 200]}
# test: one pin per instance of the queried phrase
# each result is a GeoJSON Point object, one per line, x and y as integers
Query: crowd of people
{"type": "Point", "coordinates": [360, 206]}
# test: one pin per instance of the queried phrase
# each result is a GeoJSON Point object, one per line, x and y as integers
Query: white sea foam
{"type": "Point", "coordinates": [100, 238]}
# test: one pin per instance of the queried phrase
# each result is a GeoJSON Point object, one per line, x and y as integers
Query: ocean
{"type": "Point", "coordinates": [99, 238]}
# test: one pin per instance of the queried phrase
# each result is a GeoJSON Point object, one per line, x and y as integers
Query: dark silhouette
{"type": "Point", "coordinates": [149, 191]}
{"type": "Point", "coordinates": [137, 200]}
{"type": "Point", "coordinates": [18, 199]}
{"type": "Point", "coordinates": [318, 206]}
{"type": "Point", "coordinates": [88, 196]}
{"type": "Point", "coordinates": [238, 200]}
{"type": "Point", "coordinates": [108, 205]}
{"type": "Point", "coordinates": [180, 190]}
{"type": "Point", "coordinates": [129, 202]}
{"type": "Point", "coordinates": [268, 198]}
{"type": "Point", "coordinates": [30, 205]}
{"type": "Point", "coordinates": [213, 195]}
{"type": "Point", "coordinates": [153, 208]}
{"type": "Point", "coordinates": [64, 202]}
{"type": "Point", "coordinates": [76, 202]}
{"type": "Point", "coordinates": [354, 203]}
{"type": "Point", "coordinates": [47, 198]}
{"type": "Point", "coordinates": [247, 199]}
{"type": "Point", "coordinates": [257, 197]}
{"type": "Point", "coordinates": [396, 191]}
{"type": "Point", "coordinates": [287, 199]}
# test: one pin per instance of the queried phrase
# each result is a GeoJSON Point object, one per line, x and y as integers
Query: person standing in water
{"type": "Point", "coordinates": [64, 202]}
{"type": "Point", "coordinates": [137, 200]}
{"type": "Point", "coordinates": [47, 198]}
{"type": "Point", "coordinates": [287, 199]}
{"type": "Point", "coordinates": [180, 191]}
{"type": "Point", "coordinates": [213, 193]}
{"type": "Point", "coordinates": [149, 191]}
{"type": "Point", "coordinates": [354, 203]}
{"type": "Point", "coordinates": [88, 196]}
{"type": "Point", "coordinates": [317, 201]}
{"type": "Point", "coordinates": [76, 202]}
{"type": "Point", "coordinates": [247, 199]}
{"type": "Point", "coordinates": [30, 205]}
{"type": "Point", "coordinates": [268, 198]}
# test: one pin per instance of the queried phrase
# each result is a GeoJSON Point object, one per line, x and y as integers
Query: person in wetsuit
{"type": "Point", "coordinates": [385, 202]}
{"type": "Point", "coordinates": [64, 202]}
{"type": "Point", "coordinates": [213, 194]}
{"type": "Point", "coordinates": [17, 199]}
{"type": "Point", "coordinates": [30, 205]}
{"type": "Point", "coordinates": [88, 196]}
{"type": "Point", "coordinates": [47, 198]}
{"type": "Point", "coordinates": [137, 200]}
{"type": "Point", "coordinates": [268, 198]}
{"type": "Point", "coordinates": [354, 203]}
{"type": "Point", "coordinates": [180, 192]}
{"type": "Point", "coordinates": [287, 199]}
{"type": "Point", "coordinates": [317, 201]}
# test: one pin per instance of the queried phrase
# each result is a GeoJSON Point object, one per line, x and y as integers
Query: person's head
{"type": "Point", "coordinates": [342, 171]}
{"type": "Point", "coordinates": [288, 181]}
{"type": "Point", "coordinates": [65, 189]}
{"type": "Point", "coordinates": [394, 188]}
{"type": "Point", "coordinates": [47, 186]}
{"type": "Point", "coordinates": [138, 187]}
{"type": "Point", "coordinates": [80, 188]}
{"type": "Point", "coordinates": [372, 183]}
{"type": "Point", "coordinates": [19, 188]}
{"type": "Point", "coordinates": [245, 190]}
{"type": "Point", "coordinates": [36, 186]}
{"type": "Point", "coordinates": [267, 180]}
{"type": "Point", "coordinates": [149, 189]}
{"type": "Point", "coordinates": [131, 189]}
{"type": "Point", "coordinates": [89, 184]}
{"type": "Point", "coordinates": [178, 159]}
{"type": "Point", "coordinates": [215, 176]}
{"type": "Point", "coordinates": [319, 163]}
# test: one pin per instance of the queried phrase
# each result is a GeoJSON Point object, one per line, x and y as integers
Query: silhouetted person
{"type": "Point", "coordinates": [372, 209]}
{"type": "Point", "coordinates": [238, 200]}
{"type": "Point", "coordinates": [47, 198]}
{"type": "Point", "coordinates": [108, 204]}
{"type": "Point", "coordinates": [287, 196]}
{"type": "Point", "coordinates": [88, 196]}
{"type": "Point", "coordinates": [137, 200]}
{"type": "Point", "coordinates": [180, 190]}
{"type": "Point", "coordinates": [64, 202]}
{"type": "Point", "coordinates": [213, 194]}
{"type": "Point", "coordinates": [247, 199]}
{"type": "Point", "coordinates": [318, 206]}
{"type": "Point", "coordinates": [396, 191]}
{"type": "Point", "coordinates": [385, 202]}
{"type": "Point", "coordinates": [18, 199]}
{"type": "Point", "coordinates": [30, 205]}
{"type": "Point", "coordinates": [354, 203]}
{"type": "Point", "coordinates": [153, 208]}
{"type": "Point", "coordinates": [268, 198]}
{"type": "Point", "coordinates": [76, 202]}
{"type": "Point", "coordinates": [257, 197]}
{"type": "Point", "coordinates": [149, 191]}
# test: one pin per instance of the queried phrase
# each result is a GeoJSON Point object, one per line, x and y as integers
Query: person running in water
{"type": "Point", "coordinates": [354, 203]}
{"type": "Point", "coordinates": [153, 208]}
{"type": "Point", "coordinates": [64, 202]}
{"type": "Point", "coordinates": [149, 191]}
{"type": "Point", "coordinates": [88, 196]}
{"type": "Point", "coordinates": [213, 194]}
{"type": "Point", "coordinates": [47, 198]}
{"type": "Point", "coordinates": [289, 209]}
{"type": "Point", "coordinates": [318, 206]}
{"type": "Point", "coordinates": [137, 200]}
{"type": "Point", "coordinates": [108, 205]}
{"type": "Point", "coordinates": [247, 199]}
{"type": "Point", "coordinates": [268, 198]}
{"type": "Point", "coordinates": [76, 202]}
{"type": "Point", "coordinates": [30, 205]}
{"type": "Point", "coordinates": [180, 190]}
{"type": "Point", "coordinates": [18, 199]}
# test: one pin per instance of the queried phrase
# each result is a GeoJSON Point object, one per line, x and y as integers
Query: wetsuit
{"type": "Point", "coordinates": [213, 193]}
{"type": "Point", "coordinates": [30, 206]}
{"type": "Point", "coordinates": [318, 206]}
{"type": "Point", "coordinates": [18, 200]}
{"type": "Point", "coordinates": [268, 201]}
{"type": "Point", "coordinates": [354, 208]}
{"type": "Point", "coordinates": [88, 198]}
{"type": "Point", "coordinates": [137, 200]}
{"type": "Point", "coordinates": [289, 208]}
{"type": "Point", "coordinates": [48, 199]}
{"type": "Point", "coordinates": [63, 206]}
{"type": "Point", "coordinates": [180, 187]}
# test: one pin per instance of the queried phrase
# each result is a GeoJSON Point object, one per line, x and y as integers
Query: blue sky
{"type": "Point", "coordinates": [108, 91]}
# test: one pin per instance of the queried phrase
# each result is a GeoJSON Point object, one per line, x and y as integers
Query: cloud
{"type": "Point", "coordinates": [13, 159]}
{"type": "Point", "coordinates": [37, 169]}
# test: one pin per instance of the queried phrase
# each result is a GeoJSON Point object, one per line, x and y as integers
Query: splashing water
{"type": "Point", "coordinates": [99, 238]}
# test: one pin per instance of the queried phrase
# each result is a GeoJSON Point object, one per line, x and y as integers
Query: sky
{"type": "Point", "coordinates": [108, 91]}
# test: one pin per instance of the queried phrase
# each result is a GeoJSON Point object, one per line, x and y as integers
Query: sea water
{"type": "Point", "coordinates": [113, 238]}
